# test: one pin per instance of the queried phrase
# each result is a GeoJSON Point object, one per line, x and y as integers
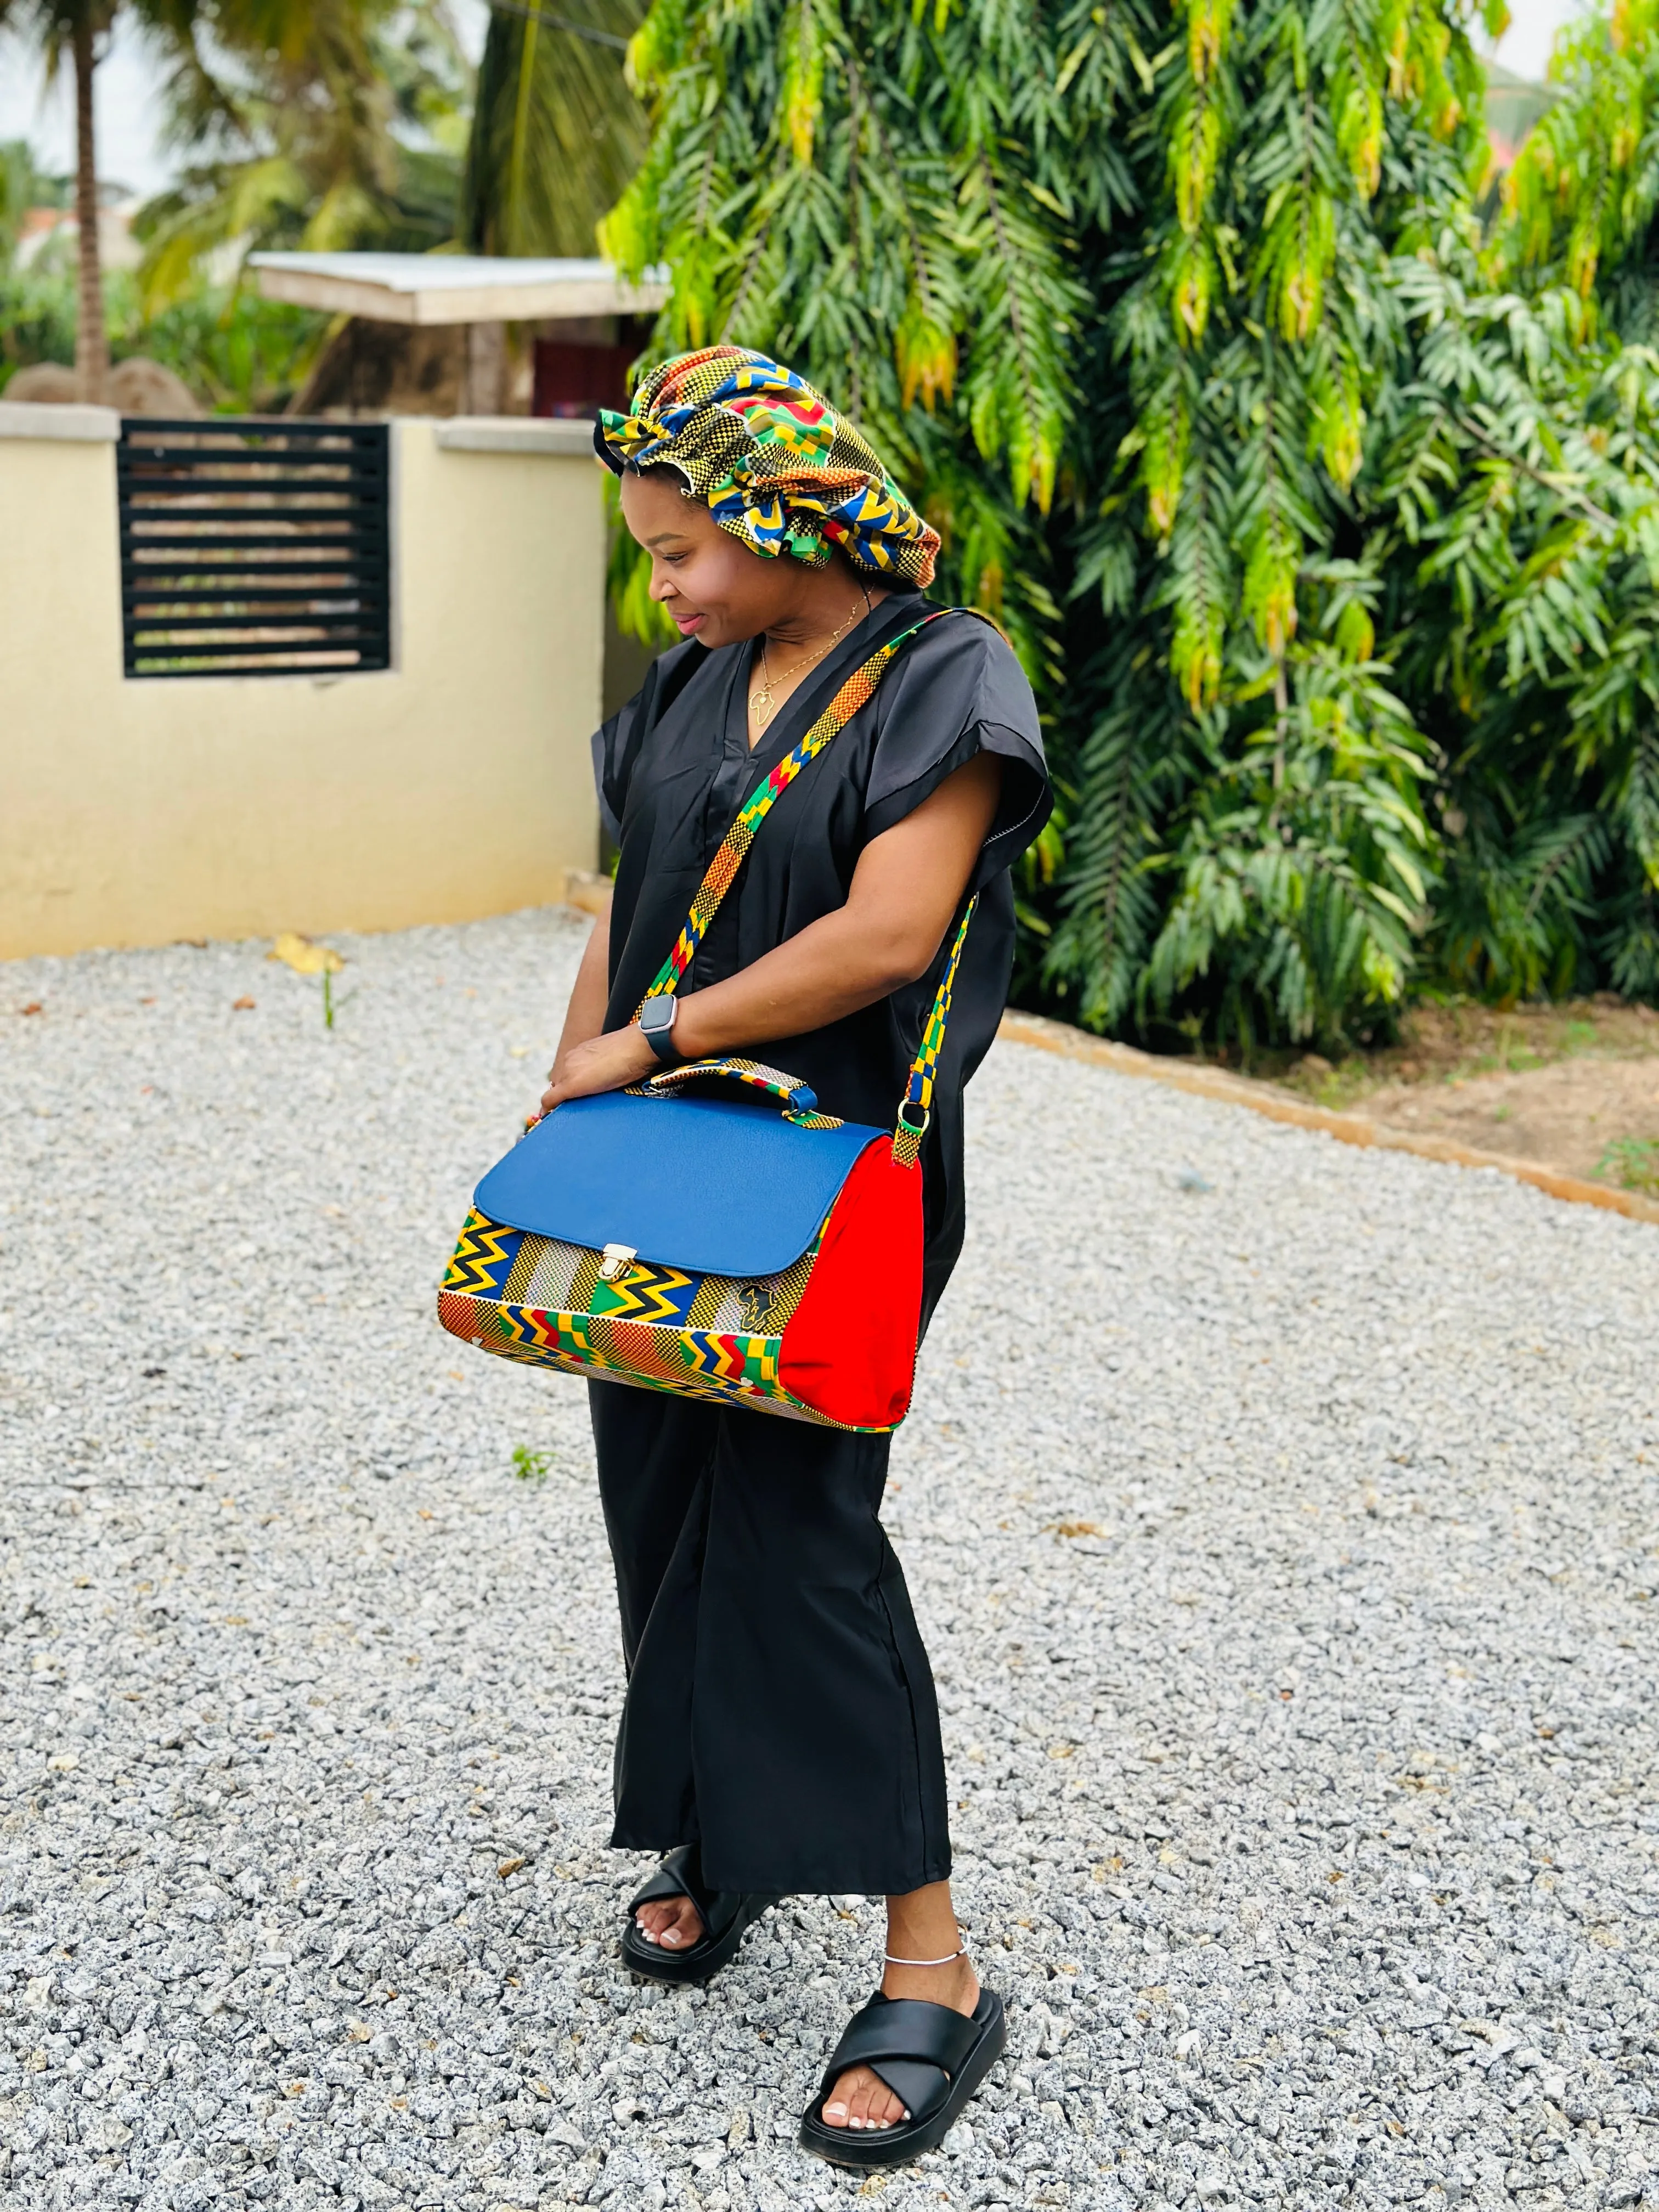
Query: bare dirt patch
{"type": "Point", "coordinates": [1574, 1086]}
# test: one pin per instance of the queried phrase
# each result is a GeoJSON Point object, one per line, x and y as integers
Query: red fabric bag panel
{"type": "Point", "coordinates": [849, 1348]}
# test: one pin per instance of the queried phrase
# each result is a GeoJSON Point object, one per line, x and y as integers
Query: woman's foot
{"type": "Point", "coordinates": [678, 1931]}
{"type": "Point", "coordinates": [919, 1926]}
{"type": "Point", "coordinates": [672, 1921]}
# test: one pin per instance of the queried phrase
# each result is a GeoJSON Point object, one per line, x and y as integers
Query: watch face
{"type": "Point", "coordinates": [657, 1014]}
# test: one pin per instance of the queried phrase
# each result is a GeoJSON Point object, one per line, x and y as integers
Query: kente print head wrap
{"type": "Point", "coordinates": [779, 469]}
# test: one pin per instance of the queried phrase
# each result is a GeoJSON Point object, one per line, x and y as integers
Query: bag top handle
{"type": "Point", "coordinates": [789, 1091]}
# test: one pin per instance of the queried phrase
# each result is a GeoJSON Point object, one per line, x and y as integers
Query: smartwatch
{"type": "Point", "coordinates": [656, 1024]}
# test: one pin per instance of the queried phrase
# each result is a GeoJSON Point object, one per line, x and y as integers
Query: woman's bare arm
{"type": "Point", "coordinates": [584, 1016]}
{"type": "Point", "coordinates": [905, 890]}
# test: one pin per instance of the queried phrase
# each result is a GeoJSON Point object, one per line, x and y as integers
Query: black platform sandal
{"type": "Point", "coordinates": [932, 2058]}
{"type": "Point", "coordinates": [725, 1913]}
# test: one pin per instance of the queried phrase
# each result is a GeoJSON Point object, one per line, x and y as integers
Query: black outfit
{"type": "Point", "coordinates": [779, 1707]}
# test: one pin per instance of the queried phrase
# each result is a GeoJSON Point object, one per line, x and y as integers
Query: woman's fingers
{"type": "Point", "coordinates": [603, 1063]}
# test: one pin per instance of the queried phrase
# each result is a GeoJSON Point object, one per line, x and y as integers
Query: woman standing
{"type": "Point", "coordinates": [780, 1733]}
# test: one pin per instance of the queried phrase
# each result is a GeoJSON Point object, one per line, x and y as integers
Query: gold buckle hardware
{"type": "Point", "coordinates": [615, 1261]}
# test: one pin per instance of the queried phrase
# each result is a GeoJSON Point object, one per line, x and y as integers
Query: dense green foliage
{"type": "Point", "coordinates": [1525, 556]}
{"type": "Point", "coordinates": [1555, 761]}
{"type": "Point", "coordinates": [1329, 557]}
{"type": "Point", "coordinates": [1580, 203]}
{"type": "Point", "coordinates": [238, 353]}
{"type": "Point", "coordinates": [23, 186]}
{"type": "Point", "coordinates": [557, 134]}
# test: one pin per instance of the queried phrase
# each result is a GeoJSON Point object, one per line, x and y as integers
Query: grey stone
{"type": "Point", "coordinates": [1283, 1548]}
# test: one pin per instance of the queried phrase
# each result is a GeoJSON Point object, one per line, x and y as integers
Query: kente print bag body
{"type": "Point", "coordinates": [709, 1232]}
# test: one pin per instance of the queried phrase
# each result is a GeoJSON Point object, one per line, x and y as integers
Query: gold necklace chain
{"type": "Point", "coordinates": [761, 704]}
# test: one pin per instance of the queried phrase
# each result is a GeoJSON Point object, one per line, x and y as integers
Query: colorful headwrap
{"type": "Point", "coordinates": [778, 467]}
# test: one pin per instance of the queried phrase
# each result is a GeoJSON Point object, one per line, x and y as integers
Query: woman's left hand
{"type": "Point", "coordinates": [603, 1063]}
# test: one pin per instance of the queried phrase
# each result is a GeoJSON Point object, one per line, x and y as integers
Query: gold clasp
{"type": "Point", "coordinates": [615, 1261]}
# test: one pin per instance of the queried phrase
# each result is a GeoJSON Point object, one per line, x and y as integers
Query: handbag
{"type": "Point", "coordinates": [709, 1232]}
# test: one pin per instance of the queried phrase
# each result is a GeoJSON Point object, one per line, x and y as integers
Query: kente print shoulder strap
{"type": "Point", "coordinates": [854, 694]}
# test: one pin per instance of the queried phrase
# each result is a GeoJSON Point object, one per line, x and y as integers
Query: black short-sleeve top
{"type": "Point", "coordinates": [674, 766]}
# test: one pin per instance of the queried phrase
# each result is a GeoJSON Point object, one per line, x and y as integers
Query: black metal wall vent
{"type": "Point", "coordinates": [253, 548]}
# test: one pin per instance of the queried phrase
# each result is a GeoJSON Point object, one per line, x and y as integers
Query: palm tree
{"type": "Point", "coordinates": [326, 124]}
{"type": "Point", "coordinates": [73, 28]}
{"type": "Point", "coordinates": [557, 133]}
{"type": "Point", "coordinates": [311, 88]}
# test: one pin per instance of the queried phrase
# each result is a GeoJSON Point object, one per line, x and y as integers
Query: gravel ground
{"type": "Point", "coordinates": [1280, 1517]}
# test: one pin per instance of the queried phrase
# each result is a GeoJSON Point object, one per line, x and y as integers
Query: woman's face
{"type": "Point", "coordinates": [714, 589]}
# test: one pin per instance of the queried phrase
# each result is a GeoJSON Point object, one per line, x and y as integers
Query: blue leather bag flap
{"type": "Point", "coordinates": [718, 1186]}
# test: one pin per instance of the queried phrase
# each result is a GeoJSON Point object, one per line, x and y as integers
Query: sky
{"type": "Point", "coordinates": [1525, 46]}
{"type": "Point", "coordinates": [128, 107]}
{"type": "Point", "coordinates": [126, 104]}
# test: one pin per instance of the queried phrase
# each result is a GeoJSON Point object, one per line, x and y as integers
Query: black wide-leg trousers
{"type": "Point", "coordinates": [780, 1710]}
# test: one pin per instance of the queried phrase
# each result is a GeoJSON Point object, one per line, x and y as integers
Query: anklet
{"type": "Point", "coordinates": [889, 1960]}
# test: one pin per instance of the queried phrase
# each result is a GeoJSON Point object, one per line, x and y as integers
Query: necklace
{"type": "Point", "coordinates": [762, 705]}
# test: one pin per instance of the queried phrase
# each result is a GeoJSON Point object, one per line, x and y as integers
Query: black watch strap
{"type": "Point", "coordinates": [659, 1034]}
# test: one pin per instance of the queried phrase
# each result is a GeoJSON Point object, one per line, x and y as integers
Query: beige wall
{"type": "Point", "coordinates": [134, 811]}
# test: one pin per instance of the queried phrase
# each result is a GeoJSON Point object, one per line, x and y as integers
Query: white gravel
{"type": "Point", "coordinates": [1285, 1546]}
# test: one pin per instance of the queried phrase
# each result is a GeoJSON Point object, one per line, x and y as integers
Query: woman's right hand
{"type": "Point", "coordinates": [584, 1019]}
{"type": "Point", "coordinates": [609, 1062]}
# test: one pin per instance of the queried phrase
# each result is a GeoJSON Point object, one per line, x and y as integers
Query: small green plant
{"type": "Point", "coordinates": [531, 1465]}
{"type": "Point", "coordinates": [332, 1005]}
{"type": "Point", "coordinates": [1633, 1163]}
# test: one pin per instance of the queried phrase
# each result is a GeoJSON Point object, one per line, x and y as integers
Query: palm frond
{"type": "Point", "coordinates": [556, 132]}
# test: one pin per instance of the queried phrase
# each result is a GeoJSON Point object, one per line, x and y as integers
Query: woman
{"type": "Point", "coordinates": [780, 1733]}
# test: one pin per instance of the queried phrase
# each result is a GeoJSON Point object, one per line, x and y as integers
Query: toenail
{"type": "Point", "coordinates": [840, 2109]}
